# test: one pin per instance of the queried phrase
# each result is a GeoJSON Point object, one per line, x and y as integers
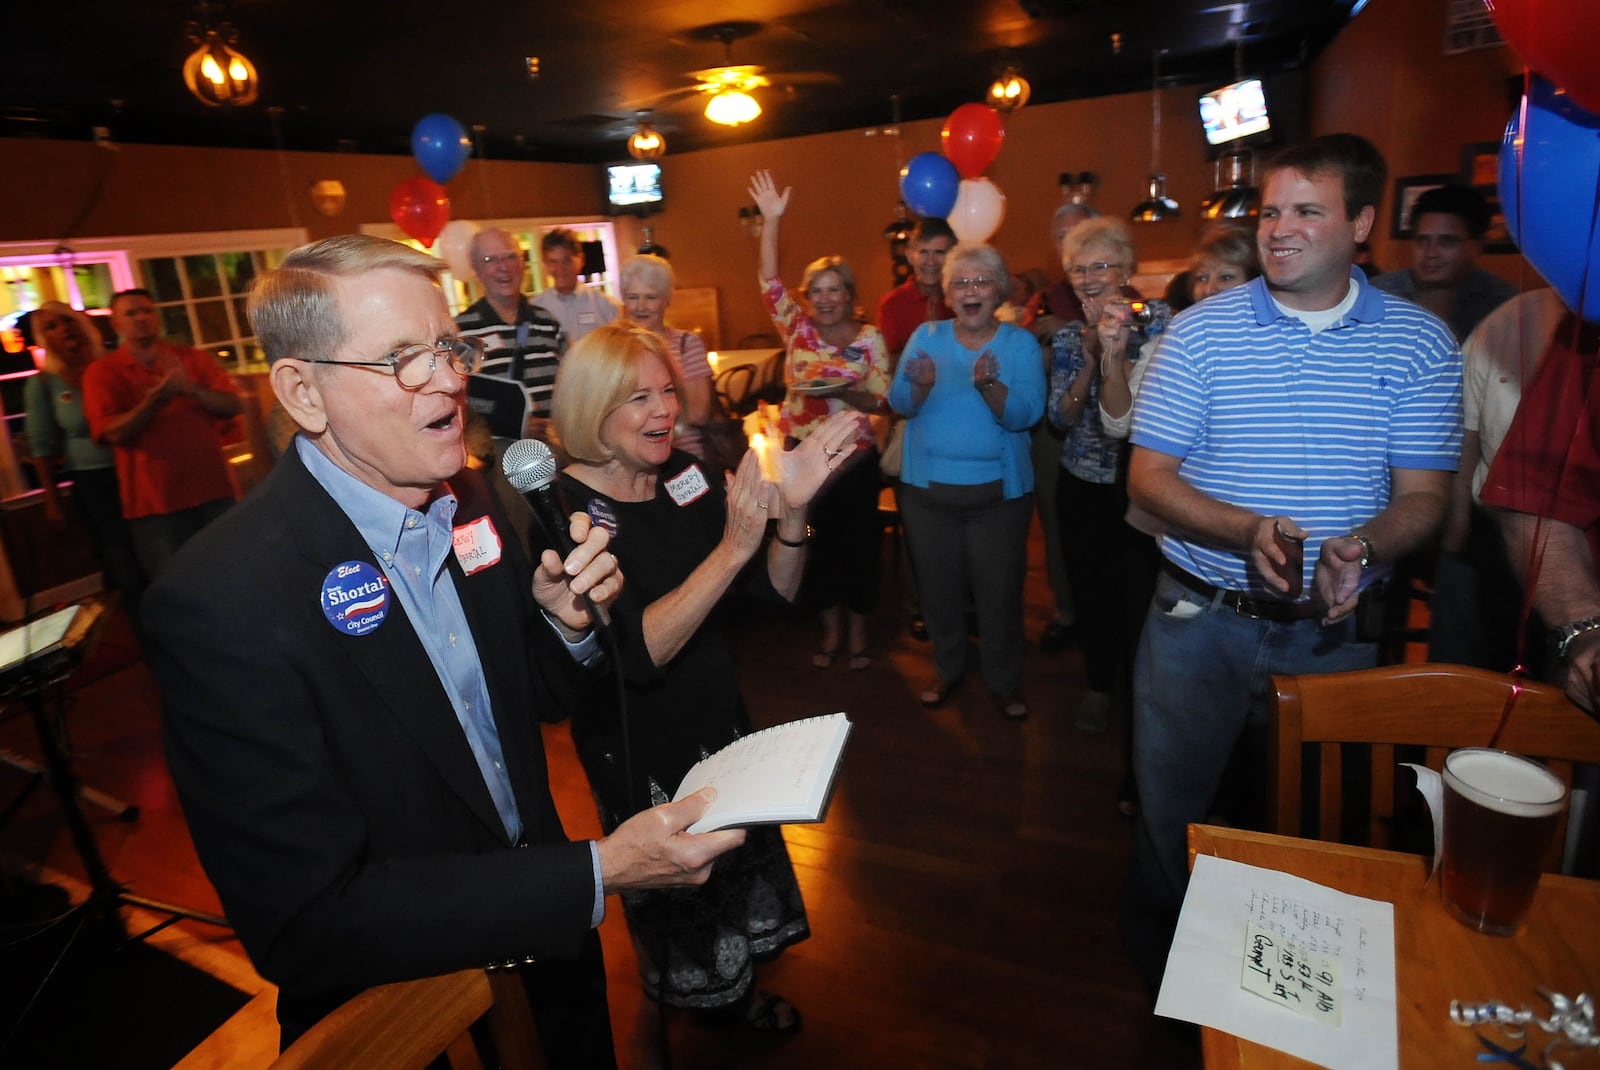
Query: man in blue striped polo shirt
{"type": "Point", "coordinates": [1305, 425]}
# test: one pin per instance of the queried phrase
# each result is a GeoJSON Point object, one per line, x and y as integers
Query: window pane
{"type": "Point", "coordinates": [203, 278]}
{"type": "Point", "coordinates": [161, 278]}
{"type": "Point", "coordinates": [94, 284]}
{"type": "Point", "coordinates": [239, 268]}
{"type": "Point", "coordinates": [239, 318]}
{"type": "Point", "coordinates": [213, 319]}
{"type": "Point", "coordinates": [175, 324]}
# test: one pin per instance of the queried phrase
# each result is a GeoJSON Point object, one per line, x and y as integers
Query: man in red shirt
{"type": "Point", "coordinates": [161, 407]}
{"type": "Point", "coordinates": [1545, 480]}
{"type": "Point", "coordinates": [921, 297]}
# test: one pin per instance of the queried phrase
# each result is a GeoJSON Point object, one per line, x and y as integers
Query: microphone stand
{"type": "Point", "coordinates": [40, 681]}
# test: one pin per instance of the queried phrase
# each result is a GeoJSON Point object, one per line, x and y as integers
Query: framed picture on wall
{"type": "Point", "coordinates": [1406, 192]}
{"type": "Point", "coordinates": [1480, 169]}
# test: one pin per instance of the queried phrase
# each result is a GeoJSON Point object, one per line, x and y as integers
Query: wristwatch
{"type": "Point", "coordinates": [1368, 554]}
{"type": "Point", "coordinates": [1561, 638]}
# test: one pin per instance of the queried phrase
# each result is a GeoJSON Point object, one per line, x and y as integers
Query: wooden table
{"type": "Point", "coordinates": [1437, 959]}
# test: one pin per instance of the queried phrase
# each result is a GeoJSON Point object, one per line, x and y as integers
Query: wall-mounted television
{"type": "Point", "coordinates": [633, 188]}
{"type": "Point", "coordinates": [1236, 114]}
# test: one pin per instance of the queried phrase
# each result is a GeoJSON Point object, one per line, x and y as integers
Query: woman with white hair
{"type": "Point", "coordinates": [970, 388]}
{"type": "Point", "coordinates": [1090, 365]}
{"type": "Point", "coordinates": [60, 443]}
{"type": "Point", "coordinates": [647, 285]}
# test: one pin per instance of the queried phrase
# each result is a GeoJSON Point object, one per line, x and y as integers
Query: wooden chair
{"type": "Point", "coordinates": [732, 389]}
{"type": "Point", "coordinates": [1438, 707]}
{"type": "Point", "coordinates": [407, 1025]}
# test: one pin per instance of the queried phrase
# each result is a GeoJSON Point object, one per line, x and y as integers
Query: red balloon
{"type": "Point", "coordinates": [421, 208]}
{"type": "Point", "coordinates": [971, 138]}
{"type": "Point", "coordinates": [1557, 39]}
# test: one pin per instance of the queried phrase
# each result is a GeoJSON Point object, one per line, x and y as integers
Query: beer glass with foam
{"type": "Point", "coordinates": [1500, 812]}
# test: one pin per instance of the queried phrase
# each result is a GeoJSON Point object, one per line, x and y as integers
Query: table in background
{"type": "Point", "coordinates": [1437, 959]}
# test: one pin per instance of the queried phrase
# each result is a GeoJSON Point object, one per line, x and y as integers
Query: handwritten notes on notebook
{"type": "Point", "coordinates": [1309, 970]}
{"type": "Point", "coordinates": [780, 775]}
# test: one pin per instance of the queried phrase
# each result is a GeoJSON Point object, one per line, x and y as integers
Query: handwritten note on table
{"type": "Point", "coordinates": [1287, 963]}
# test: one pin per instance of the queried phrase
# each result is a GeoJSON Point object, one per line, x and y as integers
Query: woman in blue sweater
{"type": "Point", "coordinates": [970, 388]}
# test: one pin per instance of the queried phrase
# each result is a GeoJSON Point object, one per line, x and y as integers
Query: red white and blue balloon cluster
{"type": "Point", "coordinates": [950, 185]}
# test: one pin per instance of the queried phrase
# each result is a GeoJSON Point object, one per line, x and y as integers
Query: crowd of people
{"type": "Point", "coordinates": [1227, 476]}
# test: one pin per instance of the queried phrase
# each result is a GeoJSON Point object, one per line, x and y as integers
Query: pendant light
{"type": "Point", "coordinates": [1157, 207]}
{"type": "Point", "coordinates": [216, 72]}
{"type": "Point", "coordinates": [1009, 92]}
{"type": "Point", "coordinates": [646, 143]}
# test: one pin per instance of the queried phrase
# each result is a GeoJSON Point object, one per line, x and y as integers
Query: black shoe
{"type": "Point", "coordinates": [919, 630]}
{"type": "Point", "coordinates": [1056, 637]}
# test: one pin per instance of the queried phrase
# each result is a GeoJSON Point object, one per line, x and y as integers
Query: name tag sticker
{"type": "Point", "coordinates": [477, 545]}
{"type": "Point", "coordinates": [1291, 973]}
{"type": "Point", "coordinates": [355, 598]}
{"type": "Point", "coordinates": [587, 319]}
{"type": "Point", "coordinates": [687, 485]}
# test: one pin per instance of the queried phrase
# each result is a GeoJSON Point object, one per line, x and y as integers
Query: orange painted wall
{"type": "Point", "coordinates": [1386, 77]}
{"type": "Point", "coordinates": [46, 186]}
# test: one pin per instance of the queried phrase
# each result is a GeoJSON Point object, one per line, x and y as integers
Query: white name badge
{"type": "Point", "coordinates": [587, 319]}
{"type": "Point", "coordinates": [477, 545]}
{"type": "Point", "coordinates": [687, 485]}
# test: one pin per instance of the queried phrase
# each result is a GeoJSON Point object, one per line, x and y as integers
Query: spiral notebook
{"type": "Point", "coordinates": [779, 776]}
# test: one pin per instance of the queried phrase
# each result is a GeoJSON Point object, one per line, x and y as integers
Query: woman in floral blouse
{"type": "Point", "coordinates": [835, 363]}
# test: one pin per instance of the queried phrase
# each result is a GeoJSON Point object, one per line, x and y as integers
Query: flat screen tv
{"type": "Point", "coordinates": [1236, 114]}
{"type": "Point", "coordinates": [633, 188]}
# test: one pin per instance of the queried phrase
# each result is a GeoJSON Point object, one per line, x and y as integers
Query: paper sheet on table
{"type": "Point", "coordinates": [1219, 949]}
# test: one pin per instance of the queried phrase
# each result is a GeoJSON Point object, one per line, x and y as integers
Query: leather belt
{"type": "Point", "coordinates": [1241, 603]}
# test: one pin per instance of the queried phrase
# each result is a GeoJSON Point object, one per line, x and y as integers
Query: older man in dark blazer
{"type": "Point", "coordinates": [353, 663]}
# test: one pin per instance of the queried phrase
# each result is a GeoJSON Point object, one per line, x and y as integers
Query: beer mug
{"type": "Point", "coordinates": [1500, 812]}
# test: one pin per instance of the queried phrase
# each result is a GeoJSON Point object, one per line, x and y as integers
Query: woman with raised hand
{"type": "Point", "coordinates": [835, 364]}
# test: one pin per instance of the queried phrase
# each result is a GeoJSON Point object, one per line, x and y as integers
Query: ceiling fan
{"type": "Point", "coordinates": [729, 88]}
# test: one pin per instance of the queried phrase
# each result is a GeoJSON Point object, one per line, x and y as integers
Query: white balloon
{"type": "Point", "coordinates": [454, 247]}
{"type": "Point", "coordinates": [980, 208]}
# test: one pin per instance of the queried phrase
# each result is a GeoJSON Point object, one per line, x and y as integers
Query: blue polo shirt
{"type": "Point", "coordinates": [1269, 416]}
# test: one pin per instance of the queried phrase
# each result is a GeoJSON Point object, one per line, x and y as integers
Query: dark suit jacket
{"type": "Point", "coordinates": [331, 793]}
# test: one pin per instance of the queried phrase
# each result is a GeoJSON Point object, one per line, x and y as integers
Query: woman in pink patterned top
{"type": "Point", "coordinates": [835, 363]}
{"type": "Point", "coordinates": [647, 283]}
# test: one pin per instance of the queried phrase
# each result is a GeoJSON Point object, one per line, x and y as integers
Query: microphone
{"type": "Point", "coordinates": [530, 468]}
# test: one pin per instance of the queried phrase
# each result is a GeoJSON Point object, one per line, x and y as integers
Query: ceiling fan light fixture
{"type": "Point", "coordinates": [646, 143]}
{"type": "Point", "coordinates": [1009, 92]}
{"type": "Point", "coordinates": [732, 107]}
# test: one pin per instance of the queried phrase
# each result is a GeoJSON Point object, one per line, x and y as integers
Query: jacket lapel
{"type": "Point", "coordinates": [390, 658]}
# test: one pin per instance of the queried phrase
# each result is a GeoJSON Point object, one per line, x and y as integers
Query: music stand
{"type": "Point", "coordinates": [52, 649]}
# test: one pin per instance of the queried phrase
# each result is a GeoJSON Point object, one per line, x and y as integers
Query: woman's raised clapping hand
{"type": "Point", "coordinates": [805, 468]}
{"type": "Point", "coordinates": [766, 195]}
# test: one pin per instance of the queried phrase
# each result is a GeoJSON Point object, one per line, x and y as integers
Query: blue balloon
{"type": "Point", "coordinates": [1549, 197]}
{"type": "Point", "coordinates": [929, 184]}
{"type": "Point", "coordinates": [441, 146]}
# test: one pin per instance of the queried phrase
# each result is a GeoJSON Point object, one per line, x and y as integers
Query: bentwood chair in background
{"type": "Point", "coordinates": [1432, 706]}
{"type": "Point", "coordinates": [407, 1025]}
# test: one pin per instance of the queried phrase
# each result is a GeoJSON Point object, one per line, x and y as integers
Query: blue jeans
{"type": "Point", "coordinates": [1203, 673]}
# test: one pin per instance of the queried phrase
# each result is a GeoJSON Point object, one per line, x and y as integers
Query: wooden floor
{"type": "Point", "coordinates": [963, 891]}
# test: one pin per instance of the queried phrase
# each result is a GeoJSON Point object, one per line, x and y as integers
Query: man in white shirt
{"type": "Point", "coordinates": [580, 309]}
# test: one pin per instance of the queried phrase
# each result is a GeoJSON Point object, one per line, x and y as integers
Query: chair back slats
{"type": "Point", "coordinates": [1435, 707]}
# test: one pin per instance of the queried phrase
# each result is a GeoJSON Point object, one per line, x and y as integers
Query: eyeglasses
{"type": "Point", "coordinates": [971, 282]}
{"type": "Point", "coordinates": [1099, 267]}
{"type": "Point", "coordinates": [464, 355]}
{"type": "Point", "coordinates": [489, 260]}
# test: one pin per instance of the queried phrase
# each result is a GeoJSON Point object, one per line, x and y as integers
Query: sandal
{"type": "Point", "coordinates": [771, 1013]}
{"type": "Point", "coordinates": [860, 659]}
{"type": "Point", "coordinates": [939, 693]}
{"type": "Point", "coordinates": [823, 659]}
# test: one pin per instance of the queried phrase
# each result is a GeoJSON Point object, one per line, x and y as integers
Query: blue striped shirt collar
{"type": "Point", "coordinates": [379, 518]}
{"type": "Point", "coordinates": [1367, 309]}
